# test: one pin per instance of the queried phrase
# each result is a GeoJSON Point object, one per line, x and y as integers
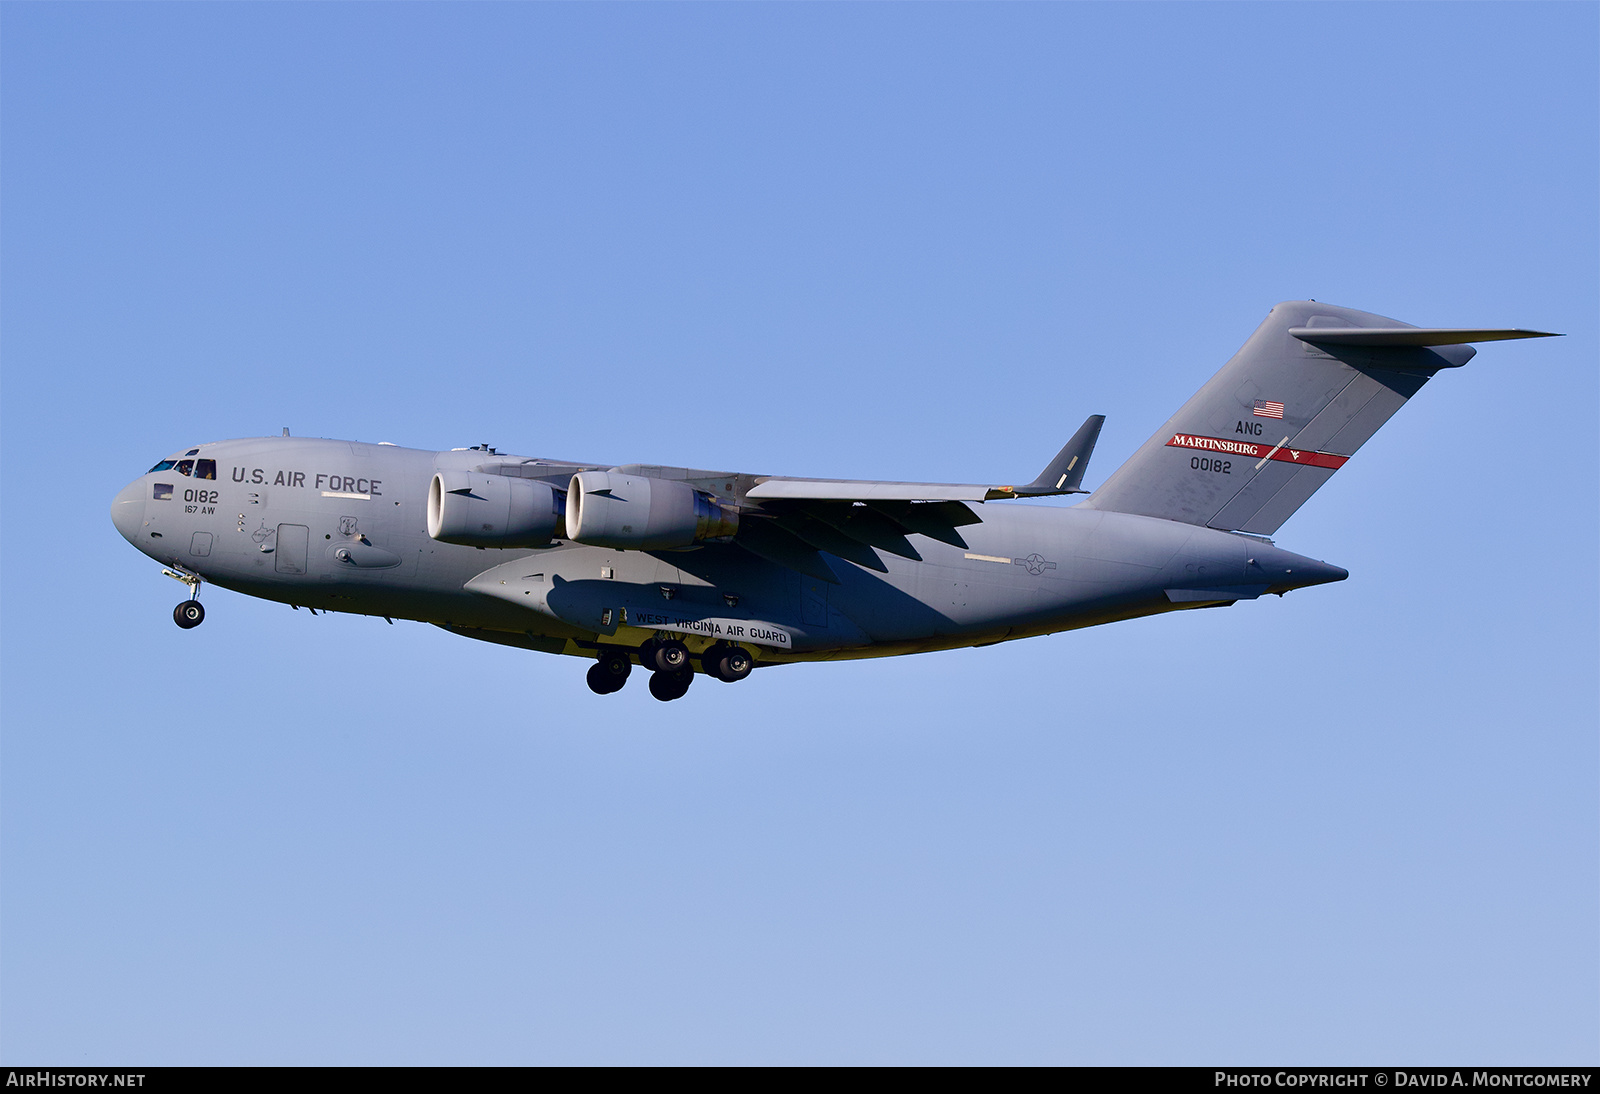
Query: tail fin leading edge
{"type": "Point", "coordinates": [1308, 389]}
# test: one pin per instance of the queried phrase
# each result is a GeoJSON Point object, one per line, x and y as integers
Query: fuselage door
{"type": "Point", "coordinates": [293, 548]}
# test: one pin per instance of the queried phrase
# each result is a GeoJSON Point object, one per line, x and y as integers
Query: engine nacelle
{"type": "Point", "coordinates": [477, 510]}
{"type": "Point", "coordinates": [638, 513]}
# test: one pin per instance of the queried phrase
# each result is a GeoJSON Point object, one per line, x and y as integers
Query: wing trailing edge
{"type": "Point", "coordinates": [1062, 475]}
{"type": "Point", "coordinates": [799, 522]}
{"type": "Point", "coordinates": [851, 490]}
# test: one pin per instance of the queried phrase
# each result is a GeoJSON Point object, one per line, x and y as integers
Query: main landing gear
{"type": "Point", "coordinates": [668, 686]}
{"type": "Point", "coordinates": [730, 664]}
{"type": "Point", "coordinates": [190, 613]}
{"type": "Point", "coordinates": [610, 672]}
{"type": "Point", "coordinates": [671, 672]}
{"type": "Point", "coordinates": [668, 656]}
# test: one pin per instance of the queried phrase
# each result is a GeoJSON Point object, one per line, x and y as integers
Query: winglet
{"type": "Point", "coordinates": [1064, 475]}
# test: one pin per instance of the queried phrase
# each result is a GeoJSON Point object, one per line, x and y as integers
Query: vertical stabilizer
{"type": "Point", "coordinates": [1306, 391]}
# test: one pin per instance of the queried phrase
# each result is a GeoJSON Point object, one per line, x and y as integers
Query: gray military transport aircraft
{"type": "Point", "coordinates": [682, 570]}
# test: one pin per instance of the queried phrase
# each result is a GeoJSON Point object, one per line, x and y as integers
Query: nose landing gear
{"type": "Point", "coordinates": [191, 613]}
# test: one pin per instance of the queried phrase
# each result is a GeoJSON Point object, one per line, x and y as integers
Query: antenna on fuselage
{"type": "Point", "coordinates": [285, 431]}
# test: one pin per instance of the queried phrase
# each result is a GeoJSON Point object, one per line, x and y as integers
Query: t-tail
{"type": "Point", "coordinates": [1298, 400]}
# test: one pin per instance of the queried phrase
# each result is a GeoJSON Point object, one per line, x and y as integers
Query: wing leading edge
{"type": "Point", "coordinates": [799, 522]}
{"type": "Point", "coordinates": [1063, 475]}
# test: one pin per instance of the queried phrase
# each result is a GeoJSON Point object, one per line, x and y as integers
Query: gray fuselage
{"type": "Point", "coordinates": [341, 526]}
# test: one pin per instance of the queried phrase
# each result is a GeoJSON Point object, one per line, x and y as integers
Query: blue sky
{"type": "Point", "coordinates": [1355, 825]}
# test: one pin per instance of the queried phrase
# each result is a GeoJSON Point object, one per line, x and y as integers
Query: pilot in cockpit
{"type": "Point", "coordinates": [199, 469]}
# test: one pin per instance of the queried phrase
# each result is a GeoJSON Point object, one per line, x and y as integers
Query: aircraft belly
{"type": "Point", "coordinates": [626, 596]}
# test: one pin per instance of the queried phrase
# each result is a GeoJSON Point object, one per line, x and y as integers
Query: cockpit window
{"type": "Point", "coordinates": [185, 467]}
{"type": "Point", "coordinates": [205, 469]}
{"type": "Point", "coordinates": [192, 452]}
{"type": "Point", "coordinates": [164, 465]}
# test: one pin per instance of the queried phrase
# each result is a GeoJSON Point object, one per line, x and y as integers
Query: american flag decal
{"type": "Point", "coordinates": [1267, 409]}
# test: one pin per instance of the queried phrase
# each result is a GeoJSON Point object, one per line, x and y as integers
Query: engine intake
{"type": "Point", "coordinates": [635, 512]}
{"type": "Point", "coordinates": [477, 510]}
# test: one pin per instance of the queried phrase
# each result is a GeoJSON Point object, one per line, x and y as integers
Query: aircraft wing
{"type": "Point", "coordinates": [799, 532]}
{"type": "Point", "coordinates": [1061, 476]}
{"type": "Point", "coordinates": [776, 489]}
{"type": "Point", "coordinates": [799, 521]}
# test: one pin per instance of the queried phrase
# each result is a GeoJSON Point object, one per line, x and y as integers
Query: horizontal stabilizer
{"type": "Point", "coordinates": [1411, 336]}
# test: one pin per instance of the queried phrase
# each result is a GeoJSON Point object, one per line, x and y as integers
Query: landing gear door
{"type": "Point", "coordinates": [293, 548]}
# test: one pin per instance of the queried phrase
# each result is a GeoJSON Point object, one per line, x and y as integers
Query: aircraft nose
{"type": "Point", "coordinates": [127, 511]}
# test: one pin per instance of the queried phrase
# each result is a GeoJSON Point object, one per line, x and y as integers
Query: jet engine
{"type": "Point", "coordinates": [638, 513]}
{"type": "Point", "coordinates": [477, 510]}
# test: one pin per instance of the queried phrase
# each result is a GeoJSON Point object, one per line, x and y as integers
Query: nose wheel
{"type": "Point", "coordinates": [190, 613]}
